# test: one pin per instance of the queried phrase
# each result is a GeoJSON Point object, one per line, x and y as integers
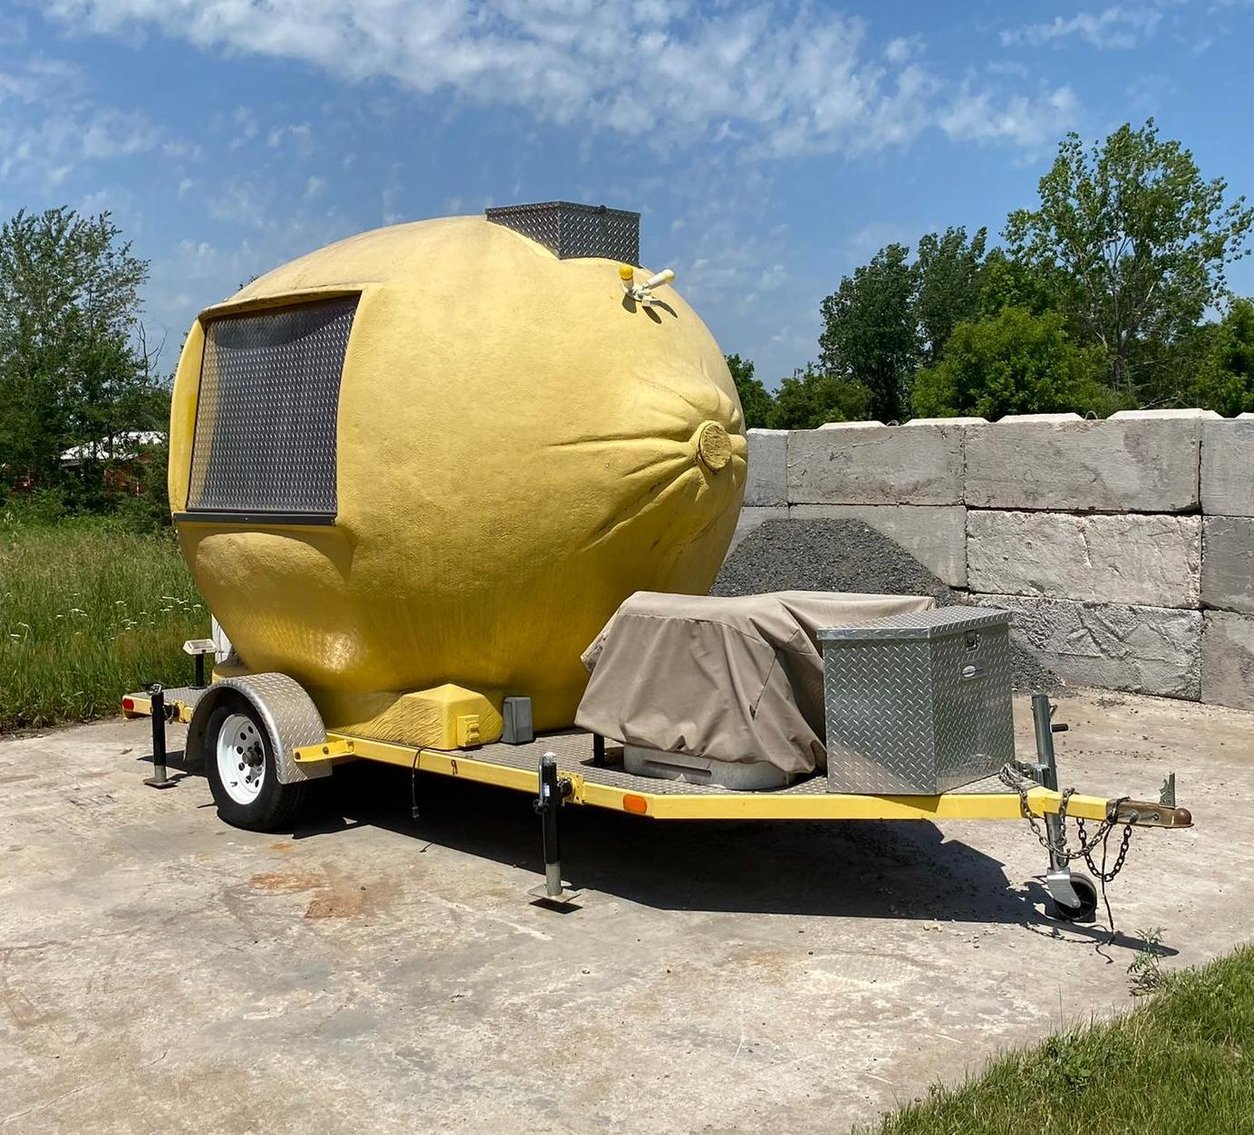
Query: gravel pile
{"type": "Point", "coordinates": [846, 555]}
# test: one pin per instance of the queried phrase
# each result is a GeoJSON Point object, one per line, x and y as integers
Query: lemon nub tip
{"type": "Point", "coordinates": [714, 447]}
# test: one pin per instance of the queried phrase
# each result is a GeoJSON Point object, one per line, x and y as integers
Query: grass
{"type": "Point", "coordinates": [1182, 1063]}
{"type": "Point", "coordinates": [89, 611]}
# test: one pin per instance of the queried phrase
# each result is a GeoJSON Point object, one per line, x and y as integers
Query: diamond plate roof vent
{"type": "Point", "coordinates": [569, 230]}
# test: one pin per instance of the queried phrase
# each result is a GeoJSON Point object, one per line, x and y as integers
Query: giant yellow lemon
{"type": "Point", "coordinates": [514, 448]}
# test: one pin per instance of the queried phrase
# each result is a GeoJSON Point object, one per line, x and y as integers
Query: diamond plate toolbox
{"type": "Point", "coordinates": [918, 704]}
{"type": "Point", "coordinates": [569, 230]}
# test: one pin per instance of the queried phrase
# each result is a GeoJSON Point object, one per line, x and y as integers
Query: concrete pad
{"type": "Point", "coordinates": [162, 972]}
{"type": "Point", "coordinates": [1228, 563]}
{"type": "Point", "coordinates": [872, 464]}
{"type": "Point", "coordinates": [1152, 650]}
{"type": "Point", "coordinates": [1228, 467]}
{"type": "Point", "coordinates": [1135, 464]}
{"type": "Point", "coordinates": [767, 483]}
{"type": "Point", "coordinates": [1148, 559]}
{"type": "Point", "coordinates": [1228, 659]}
{"type": "Point", "coordinates": [751, 518]}
{"type": "Point", "coordinates": [935, 535]}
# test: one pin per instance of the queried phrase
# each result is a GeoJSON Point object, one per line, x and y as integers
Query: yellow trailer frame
{"type": "Point", "coordinates": [517, 767]}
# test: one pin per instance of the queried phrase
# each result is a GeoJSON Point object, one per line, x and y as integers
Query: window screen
{"type": "Point", "coordinates": [266, 419]}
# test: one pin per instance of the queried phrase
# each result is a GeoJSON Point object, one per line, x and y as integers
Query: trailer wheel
{"type": "Point", "coordinates": [239, 764]}
{"type": "Point", "coordinates": [1086, 892]}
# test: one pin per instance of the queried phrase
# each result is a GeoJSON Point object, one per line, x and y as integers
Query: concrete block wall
{"type": "Point", "coordinates": [1125, 547]}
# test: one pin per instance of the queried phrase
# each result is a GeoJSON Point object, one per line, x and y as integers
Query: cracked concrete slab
{"type": "Point", "coordinates": [1148, 559]}
{"type": "Point", "coordinates": [160, 971]}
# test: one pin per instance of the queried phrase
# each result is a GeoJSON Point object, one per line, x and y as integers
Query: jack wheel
{"type": "Point", "coordinates": [1086, 892]}
{"type": "Point", "coordinates": [239, 765]}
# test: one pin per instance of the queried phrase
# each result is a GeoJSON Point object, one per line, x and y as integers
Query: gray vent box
{"type": "Point", "coordinates": [918, 704]}
{"type": "Point", "coordinates": [568, 230]}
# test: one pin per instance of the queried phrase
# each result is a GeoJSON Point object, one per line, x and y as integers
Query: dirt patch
{"type": "Point", "coordinates": [284, 881]}
{"type": "Point", "coordinates": [334, 895]}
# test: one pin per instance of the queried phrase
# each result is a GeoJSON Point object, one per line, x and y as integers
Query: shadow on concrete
{"type": "Point", "coordinates": [866, 869]}
{"type": "Point", "coordinates": [849, 869]}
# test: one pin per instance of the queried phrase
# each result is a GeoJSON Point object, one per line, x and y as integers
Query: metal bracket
{"type": "Point", "coordinates": [1167, 794]}
{"type": "Point", "coordinates": [1058, 884]}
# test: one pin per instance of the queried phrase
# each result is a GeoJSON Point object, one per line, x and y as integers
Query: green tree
{"type": "Point", "coordinates": [812, 397]}
{"type": "Point", "coordinates": [1134, 243]}
{"type": "Point", "coordinates": [948, 270]}
{"type": "Point", "coordinates": [755, 399]}
{"type": "Point", "coordinates": [73, 370]}
{"type": "Point", "coordinates": [1013, 363]}
{"type": "Point", "coordinates": [1010, 283]}
{"type": "Point", "coordinates": [1226, 379]}
{"type": "Point", "coordinates": [870, 332]}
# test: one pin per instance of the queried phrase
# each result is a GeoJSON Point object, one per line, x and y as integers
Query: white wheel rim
{"type": "Point", "coordinates": [241, 758]}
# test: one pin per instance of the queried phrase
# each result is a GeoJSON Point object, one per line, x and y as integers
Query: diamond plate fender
{"type": "Point", "coordinates": [289, 715]}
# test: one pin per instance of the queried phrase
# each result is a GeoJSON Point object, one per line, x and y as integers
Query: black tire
{"type": "Point", "coordinates": [275, 805]}
{"type": "Point", "coordinates": [1086, 892]}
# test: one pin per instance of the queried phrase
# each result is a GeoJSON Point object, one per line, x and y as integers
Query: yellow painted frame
{"type": "Point", "coordinates": [711, 805]}
{"type": "Point", "coordinates": [176, 710]}
{"type": "Point", "coordinates": [688, 806]}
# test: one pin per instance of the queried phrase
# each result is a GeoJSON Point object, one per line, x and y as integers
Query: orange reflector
{"type": "Point", "coordinates": [638, 805]}
{"type": "Point", "coordinates": [128, 704]}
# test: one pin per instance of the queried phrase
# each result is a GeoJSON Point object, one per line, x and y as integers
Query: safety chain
{"type": "Point", "coordinates": [1021, 784]}
{"type": "Point", "coordinates": [1104, 875]}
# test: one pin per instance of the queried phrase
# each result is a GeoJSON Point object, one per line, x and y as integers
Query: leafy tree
{"type": "Point", "coordinates": [1226, 379]}
{"type": "Point", "coordinates": [755, 400]}
{"type": "Point", "coordinates": [1133, 243]}
{"type": "Point", "coordinates": [73, 368]}
{"type": "Point", "coordinates": [1013, 363]}
{"type": "Point", "coordinates": [870, 334]}
{"type": "Point", "coordinates": [812, 397]}
{"type": "Point", "coordinates": [948, 270]}
{"type": "Point", "coordinates": [1010, 283]}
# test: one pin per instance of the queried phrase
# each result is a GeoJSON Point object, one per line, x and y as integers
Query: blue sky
{"type": "Point", "coordinates": [771, 146]}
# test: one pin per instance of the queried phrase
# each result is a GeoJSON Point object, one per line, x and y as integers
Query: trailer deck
{"type": "Point", "coordinates": [601, 782]}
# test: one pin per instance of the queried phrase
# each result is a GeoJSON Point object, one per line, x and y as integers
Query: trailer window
{"type": "Point", "coordinates": [265, 438]}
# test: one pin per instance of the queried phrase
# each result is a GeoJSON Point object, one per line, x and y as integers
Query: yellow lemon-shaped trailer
{"type": "Point", "coordinates": [440, 455]}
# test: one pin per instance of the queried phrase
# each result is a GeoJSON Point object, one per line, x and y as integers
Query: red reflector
{"type": "Point", "coordinates": [637, 805]}
{"type": "Point", "coordinates": [128, 704]}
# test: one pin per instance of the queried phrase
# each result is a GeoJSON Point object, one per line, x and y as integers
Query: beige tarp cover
{"type": "Point", "coordinates": [737, 679]}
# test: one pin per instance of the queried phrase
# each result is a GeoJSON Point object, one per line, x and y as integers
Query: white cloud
{"type": "Point", "coordinates": [38, 77]}
{"type": "Point", "coordinates": [315, 187]}
{"type": "Point", "coordinates": [779, 78]}
{"type": "Point", "coordinates": [903, 48]}
{"type": "Point", "coordinates": [1115, 27]}
{"type": "Point", "coordinates": [116, 134]}
{"type": "Point", "coordinates": [297, 135]}
{"type": "Point", "coordinates": [240, 201]}
{"type": "Point", "coordinates": [1028, 122]}
{"type": "Point", "coordinates": [50, 124]}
